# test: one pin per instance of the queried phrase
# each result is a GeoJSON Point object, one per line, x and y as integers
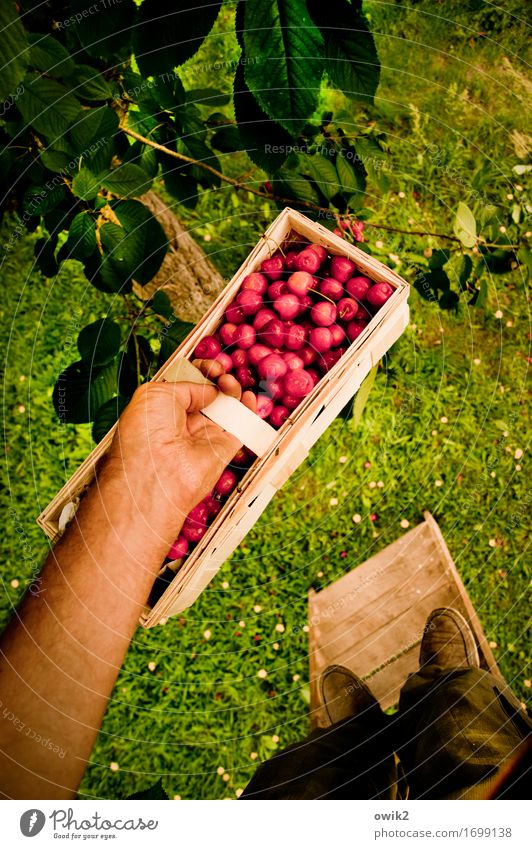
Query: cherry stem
{"type": "Point", "coordinates": [316, 292]}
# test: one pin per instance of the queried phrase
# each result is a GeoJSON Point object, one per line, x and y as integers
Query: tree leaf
{"type": "Point", "coordinates": [351, 58]}
{"type": "Point", "coordinates": [127, 180]}
{"type": "Point", "coordinates": [171, 337]}
{"type": "Point", "coordinates": [166, 37]}
{"type": "Point", "coordinates": [373, 159]}
{"type": "Point", "coordinates": [285, 60]}
{"type": "Point", "coordinates": [465, 271]}
{"type": "Point", "coordinates": [107, 416]}
{"type": "Point", "coordinates": [255, 127]}
{"type": "Point", "coordinates": [155, 792]}
{"type": "Point", "coordinates": [81, 390]}
{"type": "Point", "coordinates": [44, 252]}
{"type": "Point", "coordinates": [81, 240]}
{"type": "Point", "coordinates": [160, 304]}
{"type": "Point", "coordinates": [449, 300]}
{"type": "Point", "coordinates": [49, 56]}
{"type": "Point", "coordinates": [349, 181]}
{"type": "Point", "coordinates": [47, 106]}
{"type": "Point", "coordinates": [15, 52]}
{"type": "Point", "coordinates": [38, 200]}
{"type": "Point", "coordinates": [208, 97]}
{"type": "Point", "coordinates": [85, 184]}
{"type": "Point", "coordinates": [464, 226]}
{"type": "Point", "coordinates": [227, 139]}
{"type": "Point", "coordinates": [107, 32]}
{"type": "Point", "coordinates": [99, 342]}
{"type": "Point", "coordinates": [135, 249]}
{"type": "Point", "coordinates": [439, 258]}
{"type": "Point", "coordinates": [93, 127]}
{"type": "Point", "coordinates": [322, 171]}
{"type": "Point", "coordinates": [362, 395]}
{"type": "Point", "coordinates": [89, 84]}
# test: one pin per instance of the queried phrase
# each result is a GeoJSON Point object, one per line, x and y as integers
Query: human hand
{"type": "Point", "coordinates": [166, 456]}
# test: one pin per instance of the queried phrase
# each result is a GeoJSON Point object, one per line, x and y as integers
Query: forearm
{"type": "Point", "coordinates": [61, 654]}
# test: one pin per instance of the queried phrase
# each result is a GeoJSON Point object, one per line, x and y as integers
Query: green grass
{"type": "Point", "coordinates": [204, 706]}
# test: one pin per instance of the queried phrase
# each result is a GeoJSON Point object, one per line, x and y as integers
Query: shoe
{"type": "Point", "coordinates": [448, 641]}
{"type": "Point", "coordinates": [344, 694]}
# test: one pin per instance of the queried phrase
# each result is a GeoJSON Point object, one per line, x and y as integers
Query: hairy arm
{"type": "Point", "coordinates": [61, 653]}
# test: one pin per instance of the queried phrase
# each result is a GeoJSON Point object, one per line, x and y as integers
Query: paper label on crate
{"type": "Point", "coordinates": [250, 429]}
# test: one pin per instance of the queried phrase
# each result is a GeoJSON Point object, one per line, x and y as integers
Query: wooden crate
{"type": "Point", "coordinates": [289, 445]}
{"type": "Point", "coordinates": [371, 620]}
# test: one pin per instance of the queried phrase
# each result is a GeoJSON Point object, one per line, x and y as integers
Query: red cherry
{"type": "Point", "coordinates": [276, 289]}
{"type": "Point", "coordinates": [263, 317]}
{"type": "Point", "coordinates": [245, 377]}
{"type": "Point", "coordinates": [338, 334]}
{"type": "Point", "coordinates": [355, 328]}
{"type": "Point", "coordinates": [257, 352]}
{"type": "Point", "coordinates": [197, 516]}
{"type": "Point", "coordinates": [308, 260]}
{"type": "Point", "coordinates": [272, 367]}
{"type": "Point", "coordinates": [320, 339]}
{"type": "Point", "coordinates": [331, 288]}
{"type": "Point", "coordinates": [213, 505]}
{"type": "Point", "coordinates": [234, 314]}
{"type": "Point", "coordinates": [273, 333]}
{"type": "Point", "coordinates": [314, 375]}
{"type": "Point", "coordinates": [306, 303]}
{"type": "Point", "coordinates": [264, 406]}
{"type": "Point", "coordinates": [193, 533]}
{"type": "Point", "coordinates": [227, 334]}
{"type": "Point", "coordinates": [179, 549]}
{"type": "Point", "coordinates": [342, 268]}
{"type": "Point", "coordinates": [290, 261]}
{"type": "Point", "coordinates": [298, 383]}
{"type": "Point", "coordinates": [287, 306]}
{"type": "Point", "coordinates": [379, 294]}
{"type": "Point", "coordinates": [291, 402]}
{"type": "Point", "coordinates": [323, 313]}
{"type": "Point", "coordinates": [308, 355]}
{"type": "Point", "coordinates": [292, 360]}
{"type": "Point", "coordinates": [256, 282]}
{"type": "Point", "coordinates": [299, 283]}
{"type": "Point", "coordinates": [295, 337]}
{"type": "Point", "coordinates": [320, 250]}
{"type": "Point", "coordinates": [273, 267]}
{"type": "Point", "coordinates": [225, 360]}
{"type": "Point", "coordinates": [245, 336]}
{"type": "Point", "coordinates": [347, 309]}
{"type": "Point", "coordinates": [239, 358]}
{"type": "Point", "coordinates": [272, 388]}
{"type": "Point", "coordinates": [279, 415]}
{"type": "Point", "coordinates": [207, 349]}
{"type": "Point", "coordinates": [249, 301]}
{"type": "Point", "coordinates": [226, 482]}
{"type": "Point", "coordinates": [358, 287]}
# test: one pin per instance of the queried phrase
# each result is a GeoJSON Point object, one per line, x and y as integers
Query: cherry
{"type": "Point", "coordinates": [235, 314]}
{"type": "Point", "coordinates": [264, 406]}
{"type": "Point", "coordinates": [347, 309]}
{"type": "Point", "coordinates": [213, 505]}
{"type": "Point", "coordinates": [241, 458]}
{"type": "Point", "coordinates": [272, 388]}
{"type": "Point", "coordinates": [337, 333]}
{"type": "Point", "coordinates": [193, 533]}
{"type": "Point", "coordinates": [305, 304]}
{"type": "Point", "coordinates": [249, 301]}
{"type": "Point", "coordinates": [256, 282]}
{"type": "Point", "coordinates": [245, 377]}
{"type": "Point", "coordinates": [287, 305]}
{"type": "Point", "coordinates": [197, 516]}
{"type": "Point", "coordinates": [331, 288]}
{"type": "Point", "coordinates": [329, 359]}
{"type": "Point", "coordinates": [273, 333]}
{"type": "Point", "coordinates": [227, 334]}
{"type": "Point", "coordinates": [320, 250]}
{"type": "Point", "coordinates": [355, 328]}
{"type": "Point", "coordinates": [263, 317]}
{"type": "Point", "coordinates": [245, 336]}
{"type": "Point", "coordinates": [225, 360]}
{"type": "Point", "coordinates": [276, 289]}
{"type": "Point", "coordinates": [299, 283]}
{"type": "Point", "coordinates": [290, 260]}
{"type": "Point", "coordinates": [257, 352]}
{"type": "Point", "coordinates": [323, 313]}
{"type": "Point", "coordinates": [273, 267]}
{"type": "Point", "coordinates": [342, 268]}
{"type": "Point", "coordinates": [279, 415]}
{"type": "Point", "coordinates": [292, 360]}
{"type": "Point", "coordinates": [207, 349]}
{"type": "Point", "coordinates": [226, 482]}
{"type": "Point", "coordinates": [272, 367]}
{"type": "Point", "coordinates": [314, 375]}
{"type": "Point", "coordinates": [379, 294]}
{"type": "Point", "coordinates": [295, 337]}
{"type": "Point", "coordinates": [239, 358]}
{"type": "Point", "coordinates": [179, 549]}
{"type": "Point", "coordinates": [320, 339]}
{"type": "Point", "coordinates": [308, 355]}
{"type": "Point", "coordinates": [298, 383]}
{"type": "Point", "coordinates": [358, 287]}
{"type": "Point", "coordinates": [291, 402]}
{"type": "Point", "coordinates": [308, 260]}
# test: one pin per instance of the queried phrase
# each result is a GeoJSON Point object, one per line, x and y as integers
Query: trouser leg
{"type": "Point", "coordinates": [352, 759]}
{"type": "Point", "coordinates": [458, 727]}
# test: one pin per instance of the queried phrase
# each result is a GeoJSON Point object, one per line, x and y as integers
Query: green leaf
{"type": "Point", "coordinates": [465, 271]}
{"type": "Point", "coordinates": [85, 184]}
{"type": "Point", "coordinates": [81, 242]}
{"type": "Point", "coordinates": [49, 56]}
{"type": "Point", "coordinates": [38, 200]}
{"type": "Point", "coordinates": [107, 416]}
{"type": "Point", "coordinates": [160, 304]}
{"type": "Point", "coordinates": [44, 252]}
{"type": "Point", "coordinates": [14, 51]}
{"type": "Point", "coordinates": [55, 160]}
{"type": "Point", "coordinates": [351, 58]}
{"type": "Point", "coordinates": [171, 337]}
{"type": "Point", "coordinates": [89, 84]}
{"type": "Point", "coordinates": [99, 342]}
{"type": "Point", "coordinates": [227, 139]}
{"type": "Point", "coordinates": [255, 127]}
{"type": "Point", "coordinates": [135, 249]}
{"type": "Point", "coordinates": [439, 258]}
{"type": "Point", "coordinates": [165, 37]}
{"type": "Point", "coordinates": [449, 300]}
{"type": "Point", "coordinates": [350, 182]}
{"type": "Point", "coordinates": [106, 32]}
{"type": "Point", "coordinates": [47, 106]}
{"type": "Point", "coordinates": [524, 255]}
{"type": "Point", "coordinates": [127, 180]}
{"type": "Point", "coordinates": [362, 395]}
{"type": "Point", "coordinates": [295, 185]}
{"type": "Point", "coordinates": [480, 295]}
{"type": "Point", "coordinates": [208, 97]}
{"type": "Point", "coordinates": [82, 389]}
{"type": "Point", "coordinates": [374, 160]}
{"type": "Point", "coordinates": [322, 171]}
{"type": "Point", "coordinates": [155, 792]}
{"type": "Point", "coordinates": [284, 65]}
{"type": "Point", "coordinates": [465, 227]}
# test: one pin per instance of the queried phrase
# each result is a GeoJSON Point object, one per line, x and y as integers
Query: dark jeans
{"type": "Point", "coordinates": [453, 731]}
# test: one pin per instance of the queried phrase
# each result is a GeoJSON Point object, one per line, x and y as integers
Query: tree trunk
{"type": "Point", "coordinates": [187, 276]}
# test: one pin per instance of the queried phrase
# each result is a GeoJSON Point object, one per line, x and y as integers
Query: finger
{"type": "Point", "coordinates": [211, 369]}
{"type": "Point", "coordinates": [229, 385]}
{"type": "Point", "coordinates": [249, 399]}
{"type": "Point", "coordinates": [192, 396]}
